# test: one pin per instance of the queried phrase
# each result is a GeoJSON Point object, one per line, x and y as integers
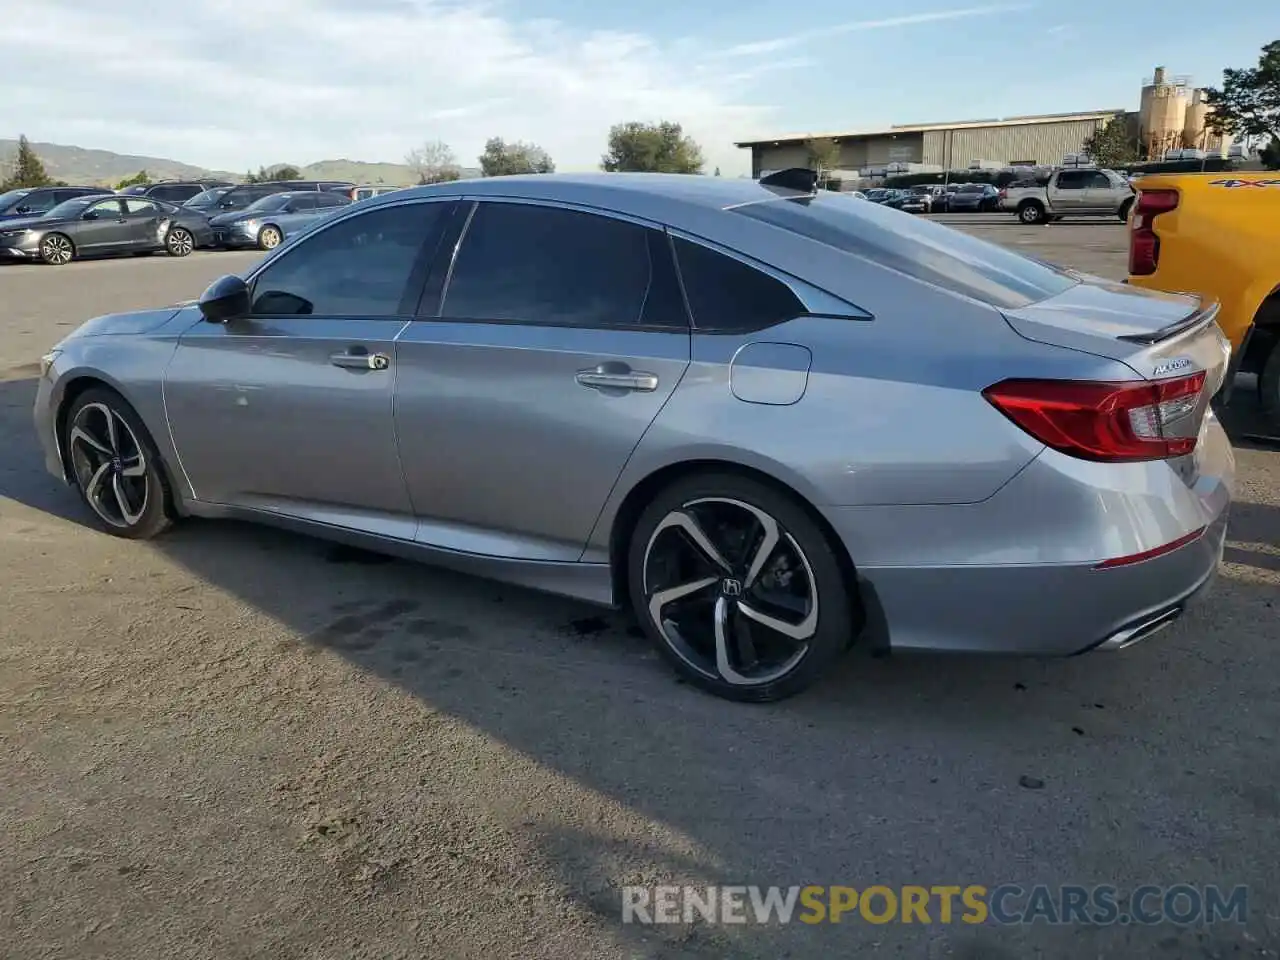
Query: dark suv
{"type": "Point", "coordinates": [34, 201]}
{"type": "Point", "coordinates": [174, 191]}
{"type": "Point", "coordinates": [237, 198]}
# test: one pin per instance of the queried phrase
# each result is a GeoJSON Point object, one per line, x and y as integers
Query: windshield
{"type": "Point", "coordinates": [972, 188]}
{"type": "Point", "coordinates": [276, 201]}
{"type": "Point", "coordinates": [72, 208]}
{"type": "Point", "coordinates": [918, 247]}
{"type": "Point", "coordinates": [208, 198]}
{"type": "Point", "coordinates": [877, 193]}
{"type": "Point", "coordinates": [10, 197]}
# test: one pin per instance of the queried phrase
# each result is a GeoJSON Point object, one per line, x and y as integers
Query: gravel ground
{"type": "Point", "coordinates": [234, 742]}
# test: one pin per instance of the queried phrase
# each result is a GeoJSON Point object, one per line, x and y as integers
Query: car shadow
{"type": "Point", "coordinates": [891, 767]}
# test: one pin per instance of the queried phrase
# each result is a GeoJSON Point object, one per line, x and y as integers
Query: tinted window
{"type": "Point", "coordinates": [38, 201]}
{"type": "Point", "coordinates": [550, 265]}
{"type": "Point", "coordinates": [1071, 180]}
{"type": "Point", "coordinates": [918, 247]}
{"type": "Point", "coordinates": [727, 294]}
{"type": "Point", "coordinates": [357, 268]}
{"type": "Point", "coordinates": [139, 205]}
{"type": "Point", "coordinates": [1097, 179]}
{"type": "Point", "coordinates": [331, 200]}
{"type": "Point", "coordinates": [298, 204]}
{"type": "Point", "coordinates": [106, 208]}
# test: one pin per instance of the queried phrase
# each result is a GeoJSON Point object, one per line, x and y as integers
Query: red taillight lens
{"type": "Point", "coordinates": [1110, 422]}
{"type": "Point", "coordinates": [1144, 245]}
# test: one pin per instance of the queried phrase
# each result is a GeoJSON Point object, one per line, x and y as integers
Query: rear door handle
{"type": "Point", "coordinates": [603, 378]}
{"type": "Point", "coordinates": [360, 361]}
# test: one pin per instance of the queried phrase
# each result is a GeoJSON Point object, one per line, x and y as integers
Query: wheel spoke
{"type": "Point", "coordinates": [113, 437]}
{"type": "Point", "coordinates": [92, 488]}
{"type": "Point", "coordinates": [767, 545]}
{"type": "Point", "coordinates": [685, 522]}
{"type": "Point", "coordinates": [664, 598]}
{"type": "Point", "coordinates": [133, 466]}
{"type": "Point", "coordinates": [81, 435]}
{"type": "Point", "coordinates": [723, 665]}
{"type": "Point", "coordinates": [801, 631]}
{"type": "Point", "coordinates": [127, 513]}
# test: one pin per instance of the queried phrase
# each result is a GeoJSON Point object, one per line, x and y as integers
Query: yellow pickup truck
{"type": "Point", "coordinates": [1217, 235]}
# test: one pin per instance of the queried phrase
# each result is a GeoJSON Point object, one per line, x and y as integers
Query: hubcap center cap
{"type": "Point", "coordinates": [731, 587]}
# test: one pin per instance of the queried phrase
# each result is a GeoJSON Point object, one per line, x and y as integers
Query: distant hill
{"type": "Point", "coordinates": [78, 165]}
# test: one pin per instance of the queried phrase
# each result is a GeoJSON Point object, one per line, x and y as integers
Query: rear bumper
{"type": "Point", "coordinates": [1019, 574]}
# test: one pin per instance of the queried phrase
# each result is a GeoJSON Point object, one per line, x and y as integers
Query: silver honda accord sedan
{"type": "Point", "coordinates": [767, 420]}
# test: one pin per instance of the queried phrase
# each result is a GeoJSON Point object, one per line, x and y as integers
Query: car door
{"type": "Point", "coordinates": [1099, 194]}
{"type": "Point", "coordinates": [143, 217]}
{"type": "Point", "coordinates": [289, 410]}
{"type": "Point", "coordinates": [559, 337]}
{"type": "Point", "coordinates": [103, 227]}
{"type": "Point", "coordinates": [1067, 194]}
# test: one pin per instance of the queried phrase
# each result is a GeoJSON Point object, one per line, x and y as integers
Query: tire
{"type": "Point", "coordinates": [758, 663]}
{"type": "Point", "coordinates": [1269, 388]}
{"type": "Point", "coordinates": [115, 466]}
{"type": "Point", "coordinates": [269, 237]}
{"type": "Point", "coordinates": [179, 242]}
{"type": "Point", "coordinates": [1032, 213]}
{"type": "Point", "coordinates": [1124, 211]}
{"type": "Point", "coordinates": [57, 250]}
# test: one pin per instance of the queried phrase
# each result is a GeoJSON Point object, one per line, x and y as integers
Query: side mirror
{"type": "Point", "coordinates": [226, 299]}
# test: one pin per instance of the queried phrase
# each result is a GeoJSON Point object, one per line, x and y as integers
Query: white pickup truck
{"type": "Point", "coordinates": [1070, 193]}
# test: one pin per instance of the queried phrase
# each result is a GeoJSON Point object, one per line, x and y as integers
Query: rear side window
{"type": "Point", "coordinates": [728, 295]}
{"type": "Point", "coordinates": [928, 251]}
{"type": "Point", "coordinates": [549, 265]}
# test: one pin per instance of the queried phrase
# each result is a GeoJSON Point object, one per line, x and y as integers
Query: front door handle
{"type": "Point", "coordinates": [607, 377]}
{"type": "Point", "coordinates": [360, 361]}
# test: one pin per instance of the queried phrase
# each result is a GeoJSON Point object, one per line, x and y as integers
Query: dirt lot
{"type": "Point", "coordinates": [237, 743]}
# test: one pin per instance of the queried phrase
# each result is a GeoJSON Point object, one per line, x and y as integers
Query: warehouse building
{"type": "Point", "coordinates": [1041, 140]}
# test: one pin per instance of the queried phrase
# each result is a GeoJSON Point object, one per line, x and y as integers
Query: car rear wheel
{"type": "Point", "coordinates": [269, 237]}
{"type": "Point", "coordinates": [1269, 388]}
{"type": "Point", "coordinates": [1124, 210]}
{"type": "Point", "coordinates": [179, 242]}
{"type": "Point", "coordinates": [57, 250]}
{"type": "Point", "coordinates": [739, 588]}
{"type": "Point", "coordinates": [1032, 213]}
{"type": "Point", "coordinates": [115, 466]}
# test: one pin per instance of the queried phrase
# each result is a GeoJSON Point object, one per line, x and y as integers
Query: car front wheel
{"type": "Point", "coordinates": [179, 242]}
{"type": "Point", "coordinates": [115, 465]}
{"type": "Point", "coordinates": [739, 588]}
{"type": "Point", "coordinates": [57, 250]}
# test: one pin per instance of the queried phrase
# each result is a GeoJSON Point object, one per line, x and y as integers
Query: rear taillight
{"type": "Point", "coordinates": [1004, 194]}
{"type": "Point", "coordinates": [1144, 245]}
{"type": "Point", "coordinates": [1111, 422]}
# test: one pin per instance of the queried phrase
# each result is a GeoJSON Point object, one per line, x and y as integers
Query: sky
{"type": "Point", "coordinates": [232, 84]}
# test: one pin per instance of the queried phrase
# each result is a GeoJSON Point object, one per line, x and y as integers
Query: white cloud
{"type": "Point", "coordinates": [231, 84]}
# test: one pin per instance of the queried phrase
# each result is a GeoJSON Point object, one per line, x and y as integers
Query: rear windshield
{"type": "Point", "coordinates": [918, 247]}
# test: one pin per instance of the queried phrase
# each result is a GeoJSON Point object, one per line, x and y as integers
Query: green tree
{"type": "Point", "coordinates": [1114, 145]}
{"type": "Point", "coordinates": [139, 179]}
{"type": "Point", "coordinates": [651, 148]}
{"type": "Point", "coordinates": [1248, 102]}
{"type": "Point", "coordinates": [27, 170]}
{"type": "Point", "coordinates": [502, 159]}
{"type": "Point", "coordinates": [433, 162]}
{"type": "Point", "coordinates": [284, 171]}
{"type": "Point", "coordinates": [824, 156]}
{"type": "Point", "coordinates": [1270, 154]}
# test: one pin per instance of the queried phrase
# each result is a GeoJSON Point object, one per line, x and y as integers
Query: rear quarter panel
{"type": "Point", "coordinates": [1222, 242]}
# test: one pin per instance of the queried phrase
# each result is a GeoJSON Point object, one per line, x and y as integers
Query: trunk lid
{"type": "Point", "coordinates": [1159, 336]}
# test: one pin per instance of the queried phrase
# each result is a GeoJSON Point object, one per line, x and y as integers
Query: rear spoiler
{"type": "Point", "coordinates": [1202, 316]}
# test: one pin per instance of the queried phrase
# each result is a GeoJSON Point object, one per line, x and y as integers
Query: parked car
{"type": "Point", "coordinates": [1218, 235]}
{"type": "Point", "coordinates": [975, 198]}
{"type": "Point", "coordinates": [267, 222]}
{"type": "Point", "coordinates": [1070, 193]}
{"type": "Point", "coordinates": [37, 201]}
{"type": "Point", "coordinates": [414, 373]}
{"type": "Point", "coordinates": [174, 191]}
{"type": "Point", "coordinates": [241, 196]}
{"type": "Point", "coordinates": [887, 197]}
{"type": "Point", "coordinates": [104, 224]}
{"type": "Point", "coordinates": [924, 199]}
{"type": "Point", "coordinates": [207, 201]}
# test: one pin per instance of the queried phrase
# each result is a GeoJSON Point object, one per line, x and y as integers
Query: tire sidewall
{"type": "Point", "coordinates": [836, 606]}
{"type": "Point", "coordinates": [263, 235]}
{"type": "Point", "coordinates": [157, 515]}
{"type": "Point", "coordinates": [168, 241]}
{"type": "Point", "coordinates": [1031, 214]}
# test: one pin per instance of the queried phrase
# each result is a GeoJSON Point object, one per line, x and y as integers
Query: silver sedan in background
{"type": "Point", "coordinates": [268, 222]}
{"type": "Point", "coordinates": [769, 421]}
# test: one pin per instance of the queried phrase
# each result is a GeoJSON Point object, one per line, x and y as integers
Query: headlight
{"type": "Point", "coordinates": [46, 362]}
{"type": "Point", "coordinates": [251, 224]}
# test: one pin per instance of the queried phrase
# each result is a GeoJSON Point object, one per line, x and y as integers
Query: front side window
{"type": "Point", "coordinates": [1071, 180]}
{"type": "Point", "coordinates": [550, 265]}
{"type": "Point", "coordinates": [920, 248]}
{"type": "Point", "coordinates": [299, 204]}
{"type": "Point", "coordinates": [138, 206]}
{"type": "Point", "coordinates": [105, 209]}
{"type": "Point", "coordinates": [357, 268]}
